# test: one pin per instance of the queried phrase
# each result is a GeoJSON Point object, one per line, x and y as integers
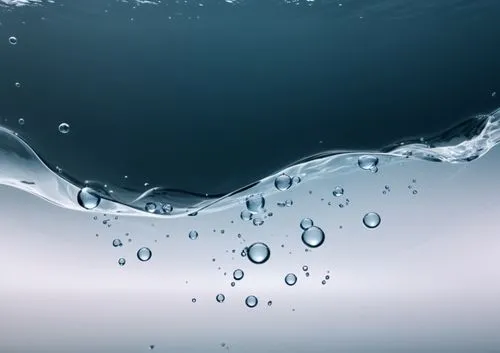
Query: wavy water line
{"type": "Point", "coordinates": [22, 168]}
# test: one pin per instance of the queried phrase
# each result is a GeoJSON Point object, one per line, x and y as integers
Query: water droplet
{"type": "Point", "coordinates": [258, 221]}
{"type": "Point", "coordinates": [367, 162]}
{"type": "Point", "coordinates": [121, 261]}
{"type": "Point", "coordinates": [193, 235]}
{"type": "Point", "coordinates": [220, 298]}
{"type": "Point", "coordinates": [296, 180]}
{"type": "Point", "coordinates": [17, 84]}
{"type": "Point", "coordinates": [306, 223]}
{"type": "Point", "coordinates": [63, 128]}
{"type": "Point", "coordinates": [251, 301]}
{"type": "Point", "coordinates": [88, 198]}
{"type": "Point", "coordinates": [258, 253]}
{"type": "Point", "coordinates": [305, 268]}
{"type": "Point", "coordinates": [150, 207]}
{"type": "Point", "coordinates": [238, 274]}
{"type": "Point", "coordinates": [290, 279]}
{"type": "Point", "coordinates": [338, 191]}
{"type": "Point", "coordinates": [283, 182]}
{"type": "Point", "coordinates": [313, 237]}
{"type": "Point", "coordinates": [246, 215]}
{"type": "Point", "coordinates": [144, 254]}
{"type": "Point", "coordinates": [167, 208]}
{"type": "Point", "coordinates": [255, 203]}
{"type": "Point", "coordinates": [13, 40]}
{"type": "Point", "coordinates": [21, 121]}
{"type": "Point", "coordinates": [371, 220]}
{"type": "Point", "coordinates": [117, 243]}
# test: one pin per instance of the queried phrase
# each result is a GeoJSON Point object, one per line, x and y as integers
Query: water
{"type": "Point", "coordinates": [246, 121]}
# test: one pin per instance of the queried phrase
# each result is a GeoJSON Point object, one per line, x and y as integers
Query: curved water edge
{"type": "Point", "coordinates": [22, 168]}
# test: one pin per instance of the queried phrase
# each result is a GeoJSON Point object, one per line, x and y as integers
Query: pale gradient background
{"type": "Point", "coordinates": [426, 280]}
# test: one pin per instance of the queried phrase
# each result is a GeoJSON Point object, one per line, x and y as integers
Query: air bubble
{"type": "Point", "coordinates": [290, 279]}
{"type": "Point", "coordinates": [193, 235]}
{"type": "Point", "coordinates": [306, 223]}
{"type": "Point", "coordinates": [305, 268]}
{"type": "Point", "coordinates": [144, 254]}
{"type": "Point", "coordinates": [313, 237]}
{"type": "Point", "coordinates": [296, 180]}
{"type": "Point", "coordinates": [368, 162]}
{"type": "Point", "coordinates": [13, 40]}
{"type": "Point", "coordinates": [251, 301]}
{"type": "Point", "coordinates": [167, 208]}
{"type": "Point", "coordinates": [338, 191]}
{"type": "Point", "coordinates": [255, 203]}
{"type": "Point", "coordinates": [88, 198]}
{"type": "Point", "coordinates": [63, 128]}
{"type": "Point", "coordinates": [121, 261]}
{"type": "Point", "coordinates": [246, 215]}
{"type": "Point", "coordinates": [371, 220]}
{"type": "Point", "coordinates": [20, 121]}
{"type": "Point", "coordinates": [117, 243]}
{"type": "Point", "coordinates": [150, 207]}
{"type": "Point", "coordinates": [17, 84]}
{"type": "Point", "coordinates": [220, 298]}
{"type": "Point", "coordinates": [288, 203]}
{"type": "Point", "coordinates": [258, 221]}
{"type": "Point", "coordinates": [258, 253]}
{"type": "Point", "coordinates": [238, 274]}
{"type": "Point", "coordinates": [283, 182]}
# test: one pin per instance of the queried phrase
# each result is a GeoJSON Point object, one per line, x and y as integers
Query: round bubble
{"type": "Point", "coordinates": [238, 274]}
{"type": "Point", "coordinates": [306, 223]}
{"type": "Point", "coordinates": [13, 40]}
{"type": "Point", "coordinates": [117, 243]}
{"type": "Point", "coordinates": [144, 254]}
{"type": "Point", "coordinates": [121, 261]}
{"type": "Point", "coordinates": [313, 237]}
{"type": "Point", "coordinates": [258, 253]}
{"type": "Point", "coordinates": [63, 128]}
{"type": "Point", "coordinates": [255, 203]}
{"type": "Point", "coordinates": [21, 121]}
{"type": "Point", "coordinates": [258, 221]}
{"type": "Point", "coordinates": [367, 162]}
{"type": "Point", "coordinates": [167, 208]}
{"type": "Point", "coordinates": [246, 215]}
{"type": "Point", "coordinates": [88, 198]}
{"type": "Point", "coordinates": [17, 84]}
{"type": "Point", "coordinates": [283, 182]}
{"type": "Point", "coordinates": [371, 220]}
{"type": "Point", "coordinates": [338, 191]}
{"type": "Point", "coordinates": [290, 279]}
{"type": "Point", "coordinates": [251, 301]}
{"type": "Point", "coordinates": [151, 207]}
{"type": "Point", "coordinates": [193, 235]}
{"type": "Point", "coordinates": [220, 298]}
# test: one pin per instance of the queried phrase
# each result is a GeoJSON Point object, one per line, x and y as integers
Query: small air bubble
{"type": "Point", "coordinates": [88, 198]}
{"type": "Point", "coordinates": [306, 223]}
{"type": "Point", "coordinates": [255, 203]}
{"type": "Point", "coordinates": [258, 253]}
{"type": "Point", "coordinates": [17, 84]}
{"type": "Point", "coordinates": [290, 279]}
{"type": "Point", "coordinates": [220, 298]}
{"type": "Point", "coordinates": [13, 40]}
{"type": "Point", "coordinates": [20, 121]}
{"type": "Point", "coordinates": [305, 268]}
{"type": "Point", "coordinates": [144, 254]}
{"type": "Point", "coordinates": [371, 220]}
{"type": "Point", "coordinates": [313, 236]}
{"type": "Point", "coordinates": [367, 162]}
{"type": "Point", "coordinates": [167, 208]}
{"type": "Point", "coordinates": [121, 261]}
{"type": "Point", "coordinates": [238, 274]}
{"type": "Point", "coordinates": [251, 301]}
{"type": "Point", "coordinates": [283, 182]}
{"type": "Point", "coordinates": [63, 128]}
{"type": "Point", "coordinates": [117, 243]}
{"type": "Point", "coordinates": [150, 207]}
{"type": "Point", "coordinates": [258, 221]}
{"type": "Point", "coordinates": [193, 235]}
{"type": "Point", "coordinates": [338, 191]}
